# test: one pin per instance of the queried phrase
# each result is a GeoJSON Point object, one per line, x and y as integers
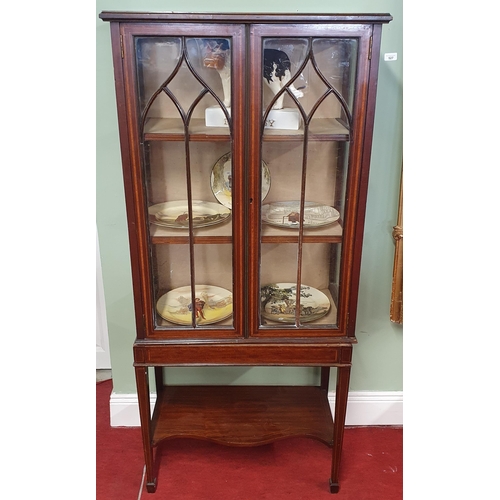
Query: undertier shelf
{"type": "Point", "coordinates": [242, 415]}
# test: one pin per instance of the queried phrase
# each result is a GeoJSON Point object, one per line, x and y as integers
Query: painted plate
{"type": "Point", "coordinates": [220, 180]}
{"type": "Point", "coordinates": [287, 214]}
{"type": "Point", "coordinates": [213, 304]}
{"type": "Point", "coordinates": [175, 214]}
{"type": "Point", "coordinates": [278, 302]}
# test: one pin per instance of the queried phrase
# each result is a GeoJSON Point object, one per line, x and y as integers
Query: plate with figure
{"type": "Point", "coordinates": [287, 214]}
{"type": "Point", "coordinates": [212, 304]}
{"type": "Point", "coordinates": [220, 180]}
{"type": "Point", "coordinates": [278, 302]}
{"type": "Point", "coordinates": [175, 214]}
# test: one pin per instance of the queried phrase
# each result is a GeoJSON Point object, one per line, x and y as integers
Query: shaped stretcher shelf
{"type": "Point", "coordinates": [242, 415]}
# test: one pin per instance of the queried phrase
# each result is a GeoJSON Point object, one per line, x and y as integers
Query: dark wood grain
{"type": "Point", "coordinates": [210, 18]}
{"type": "Point", "coordinates": [243, 415]}
{"type": "Point", "coordinates": [142, 381]}
{"type": "Point", "coordinates": [341, 394]}
{"type": "Point", "coordinates": [249, 353]}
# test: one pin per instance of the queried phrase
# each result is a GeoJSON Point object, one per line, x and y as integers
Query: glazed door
{"type": "Point", "coordinates": [187, 175]}
{"type": "Point", "coordinates": [309, 129]}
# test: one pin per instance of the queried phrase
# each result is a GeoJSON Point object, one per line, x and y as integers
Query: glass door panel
{"type": "Point", "coordinates": [213, 288]}
{"type": "Point", "coordinates": [184, 100]}
{"type": "Point", "coordinates": [182, 76]}
{"type": "Point", "coordinates": [306, 132]}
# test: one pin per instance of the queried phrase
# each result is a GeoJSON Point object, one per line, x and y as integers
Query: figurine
{"type": "Point", "coordinates": [276, 69]}
{"type": "Point", "coordinates": [277, 74]}
{"type": "Point", "coordinates": [218, 56]}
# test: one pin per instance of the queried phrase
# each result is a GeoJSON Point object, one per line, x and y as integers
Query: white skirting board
{"type": "Point", "coordinates": [363, 408]}
{"type": "Point", "coordinates": [372, 408]}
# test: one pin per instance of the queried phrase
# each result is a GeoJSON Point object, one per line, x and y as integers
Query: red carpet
{"type": "Point", "coordinates": [295, 469]}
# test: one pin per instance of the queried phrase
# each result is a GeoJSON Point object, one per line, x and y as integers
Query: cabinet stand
{"type": "Point", "coordinates": [241, 415]}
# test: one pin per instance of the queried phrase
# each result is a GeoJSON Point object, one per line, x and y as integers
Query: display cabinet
{"type": "Point", "coordinates": [245, 142]}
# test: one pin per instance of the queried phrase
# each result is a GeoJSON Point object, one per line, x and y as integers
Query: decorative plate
{"type": "Point", "coordinates": [278, 302]}
{"type": "Point", "coordinates": [220, 180]}
{"type": "Point", "coordinates": [175, 214]}
{"type": "Point", "coordinates": [212, 304]}
{"type": "Point", "coordinates": [287, 214]}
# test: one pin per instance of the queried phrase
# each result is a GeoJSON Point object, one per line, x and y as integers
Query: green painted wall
{"type": "Point", "coordinates": [378, 357]}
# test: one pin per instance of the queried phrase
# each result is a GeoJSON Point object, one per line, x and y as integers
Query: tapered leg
{"type": "Point", "coordinates": [142, 381]}
{"type": "Point", "coordinates": [325, 377]}
{"type": "Point", "coordinates": [159, 380]}
{"type": "Point", "coordinates": [343, 375]}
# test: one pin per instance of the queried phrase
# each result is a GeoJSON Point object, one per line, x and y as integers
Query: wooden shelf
{"type": "Point", "coordinates": [331, 233]}
{"type": "Point", "coordinates": [218, 233]}
{"type": "Point", "coordinates": [227, 323]}
{"type": "Point", "coordinates": [172, 129]}
{"type": "Point", "coordinates": [221, 234]}
{"type": "Point", "coordinates": [242, 415]}
{"type": "Point", "coordinates": [321, 129]}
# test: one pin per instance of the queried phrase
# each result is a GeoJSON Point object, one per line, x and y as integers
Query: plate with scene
{"type": "Point", "coordinates": [287, 214]}
{"type": "Point", "coordinates": [278, 302]}
{"type": "Point", "coordinates": [220, 180]}
{"type": "Point", "coordinates": [175, 214]}
{"type": "Point", "coordinates": [212, 304]}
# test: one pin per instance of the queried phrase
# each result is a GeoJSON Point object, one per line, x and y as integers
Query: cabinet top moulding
{"type": "Point", "coordinates": [252, 18]}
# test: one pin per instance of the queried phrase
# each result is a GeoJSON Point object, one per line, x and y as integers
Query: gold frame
{"type": "Point", "coordinates": [396, 312]}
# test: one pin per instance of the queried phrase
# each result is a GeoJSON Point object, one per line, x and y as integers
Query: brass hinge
{"type": "Point", "coordinates": [121, 46]}
{"type": "Point", "coordinates": [369, 50]}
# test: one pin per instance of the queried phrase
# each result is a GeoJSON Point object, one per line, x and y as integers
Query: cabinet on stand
{"type": "Point", "coordinates": [245, 144]}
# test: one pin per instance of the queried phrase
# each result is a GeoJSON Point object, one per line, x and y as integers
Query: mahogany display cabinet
{"type": "Point", "coordinates": [245, 142]}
